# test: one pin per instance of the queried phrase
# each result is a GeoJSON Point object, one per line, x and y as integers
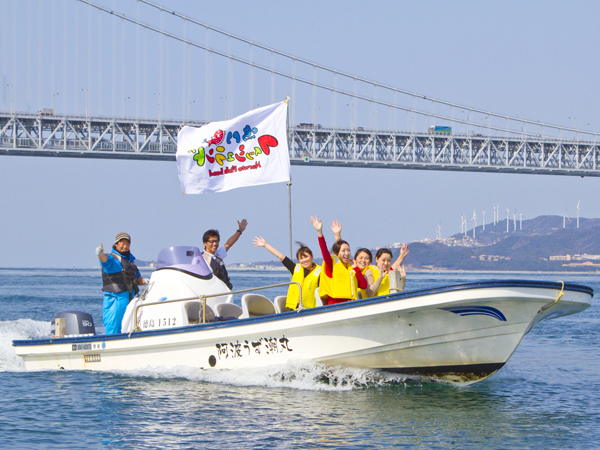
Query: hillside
{"type": "Point", "coordinates": [529, 248]}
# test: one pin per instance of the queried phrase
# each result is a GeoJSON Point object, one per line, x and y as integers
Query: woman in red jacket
{"type": "Point", "coordinates": [340, 280]}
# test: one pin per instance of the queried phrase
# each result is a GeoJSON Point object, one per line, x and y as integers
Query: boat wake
{"type": "Point", "coordinates": [18, 329]}
{"type": "Point", "coordinates": [297, 375]}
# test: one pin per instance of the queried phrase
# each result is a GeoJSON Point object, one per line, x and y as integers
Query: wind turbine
{"type": "Point", "coordinates": [565, 218]}
{"type": "Point", "coordinates": [438, 231]}
{"type": "Point", "coordinates": [483, 212]}
{"type": "Point", "coordinates": [464, 224]}
{"type": "Point", "coordinates": [474, 219]}
{"type": "Point", "coordinates": [507, 219]}
{"type": "Point", "coordinates": [578, 213]}
{"type": "Point", "coordinates": [520, 221]}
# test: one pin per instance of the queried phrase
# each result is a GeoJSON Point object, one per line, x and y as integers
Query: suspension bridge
{"type": "Point", "coordinates": [105, 137]}
{"type": "Point", "coordinates": [471, 139]}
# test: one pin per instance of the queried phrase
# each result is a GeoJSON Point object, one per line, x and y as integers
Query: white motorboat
{"type": "Point", "coordinates": [186, 317]}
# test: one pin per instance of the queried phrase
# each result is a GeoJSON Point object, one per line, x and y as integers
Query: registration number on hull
{"type": "Point", "coordinates": [158, 323]}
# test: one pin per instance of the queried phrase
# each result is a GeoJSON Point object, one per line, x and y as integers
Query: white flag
{"type": "Point", "coordinates": [249, 150]}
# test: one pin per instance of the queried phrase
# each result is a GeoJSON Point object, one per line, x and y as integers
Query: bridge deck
{"type": "Point", "coordinates": [146, 139]}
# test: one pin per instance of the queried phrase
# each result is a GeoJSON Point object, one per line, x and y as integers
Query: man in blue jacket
{"type": "Point", "coordinates": [120, 279]}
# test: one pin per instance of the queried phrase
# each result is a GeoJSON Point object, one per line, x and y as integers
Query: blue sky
{"type": "Point", "coordinates": [532, 59]}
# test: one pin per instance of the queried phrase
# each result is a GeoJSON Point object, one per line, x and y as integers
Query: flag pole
{"type": "Point", "coordinates": [289, 183]}
{"type": "Point", "coordinates": [290, 211]}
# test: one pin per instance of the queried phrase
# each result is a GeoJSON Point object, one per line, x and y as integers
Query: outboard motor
{"type": "Point", "coordinates": [77, 322]}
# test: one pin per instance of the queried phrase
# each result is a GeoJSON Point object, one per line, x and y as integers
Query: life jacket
{"type": "Point", "coordinates": [363, 292]}
{"type": "Point", "coordinates": [309, 284]}
{"type": "Point", "coordinates": [384, 287]}
{"type": "Point", "coordinates": [218, 268]}
{"type": "Point", "coordinates": [324, 282]}
{"type": "Point", "coordinates": [342, 284]}
{"type": "Point", "coordinates": [126, 280]}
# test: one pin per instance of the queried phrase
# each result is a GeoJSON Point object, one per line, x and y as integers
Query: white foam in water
{"type": "Point", "coordinates": [301, 376]}
{"type": "Point", "coordinates": [18, 329]}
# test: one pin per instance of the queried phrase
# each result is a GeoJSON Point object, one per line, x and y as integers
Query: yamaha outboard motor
{"type": "Point", "coordinates": [77, 322]}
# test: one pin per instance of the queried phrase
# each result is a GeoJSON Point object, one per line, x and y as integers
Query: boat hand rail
{"type": "Point", "coordinates": [203, 298]}
{"type": "Point", "coordinates": [560, 294]}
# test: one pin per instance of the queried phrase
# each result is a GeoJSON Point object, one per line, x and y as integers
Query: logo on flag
{"type": "Point", "coordinates": [248, 150]}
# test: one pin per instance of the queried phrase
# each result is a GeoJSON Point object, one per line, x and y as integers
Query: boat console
{"type": "Point", "coordinates": [172, 298]}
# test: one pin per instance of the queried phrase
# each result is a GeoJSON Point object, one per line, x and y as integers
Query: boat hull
{"type": "Point", "coordinates": [464, 333]}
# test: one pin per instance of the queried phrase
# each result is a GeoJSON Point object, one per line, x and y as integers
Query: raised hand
{"type": "Point", "coordinates": [242, 225]}
{"type": "Point", "coordinates": [403, 252]}
{"type": "Point", "coordinates": [259, 242]}
{"type": "Point", "coordinates": [317, 224]}
{"type": "Point", "coordinates": [236, 235]}
{"type": "Point", "coordinates": [336, 227]}
{"type": "Point", "coordinates": [99, 250]}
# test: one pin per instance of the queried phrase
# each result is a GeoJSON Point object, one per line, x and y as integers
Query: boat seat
{"type": "Point", "coordinates": [214, 301]}
{"type": "Point", "coordinates": [193, 311]}
{"type": "Point", "coordinates": [255, 305]}
{"type": "Point", "coordinates": [280, 303]}
{"type": "Point", "coordinates": [228, 310]}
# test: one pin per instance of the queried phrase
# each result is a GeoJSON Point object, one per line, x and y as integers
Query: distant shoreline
{"type": "Point", "coordinates": [283, 269]}
{"type": "Point", "coordinates": [249, 269]}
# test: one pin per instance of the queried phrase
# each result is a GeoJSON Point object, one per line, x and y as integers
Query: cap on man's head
{"type": "Point", "coordinates": [122, 236]}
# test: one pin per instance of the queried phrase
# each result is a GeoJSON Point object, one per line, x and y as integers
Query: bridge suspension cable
{"type": "Point", "coordinates": [313, 83]}
{"type": "Point", "coordinates": [377, 84]}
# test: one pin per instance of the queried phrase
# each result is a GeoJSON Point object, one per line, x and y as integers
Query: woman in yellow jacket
{"type": "Point", "coordinates": [378, 276]}
{"type": "Point", "coordinates": [306, 273]}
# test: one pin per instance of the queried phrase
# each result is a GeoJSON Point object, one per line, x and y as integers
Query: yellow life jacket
{"type": "Point", "coordinates": [363, 292]}
{"type": "Point", "coordinates": [342, 284]}
{"type": "Point", "coordinates": [384, 287]}
{"type": "Point", "coordinates": [324, 283]}
{"type": "Point", "coordinates": [309, 286]}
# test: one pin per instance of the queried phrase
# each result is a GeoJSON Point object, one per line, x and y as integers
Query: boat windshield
{"type": "Point", "coordinates": [183, 257]}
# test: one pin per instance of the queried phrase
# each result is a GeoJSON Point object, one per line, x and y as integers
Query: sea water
{"type": "Point", "coordinates": [547, 396]}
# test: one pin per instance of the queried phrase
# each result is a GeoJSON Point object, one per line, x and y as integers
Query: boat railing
{"type": "Point", "coordinates": [203, 298]}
